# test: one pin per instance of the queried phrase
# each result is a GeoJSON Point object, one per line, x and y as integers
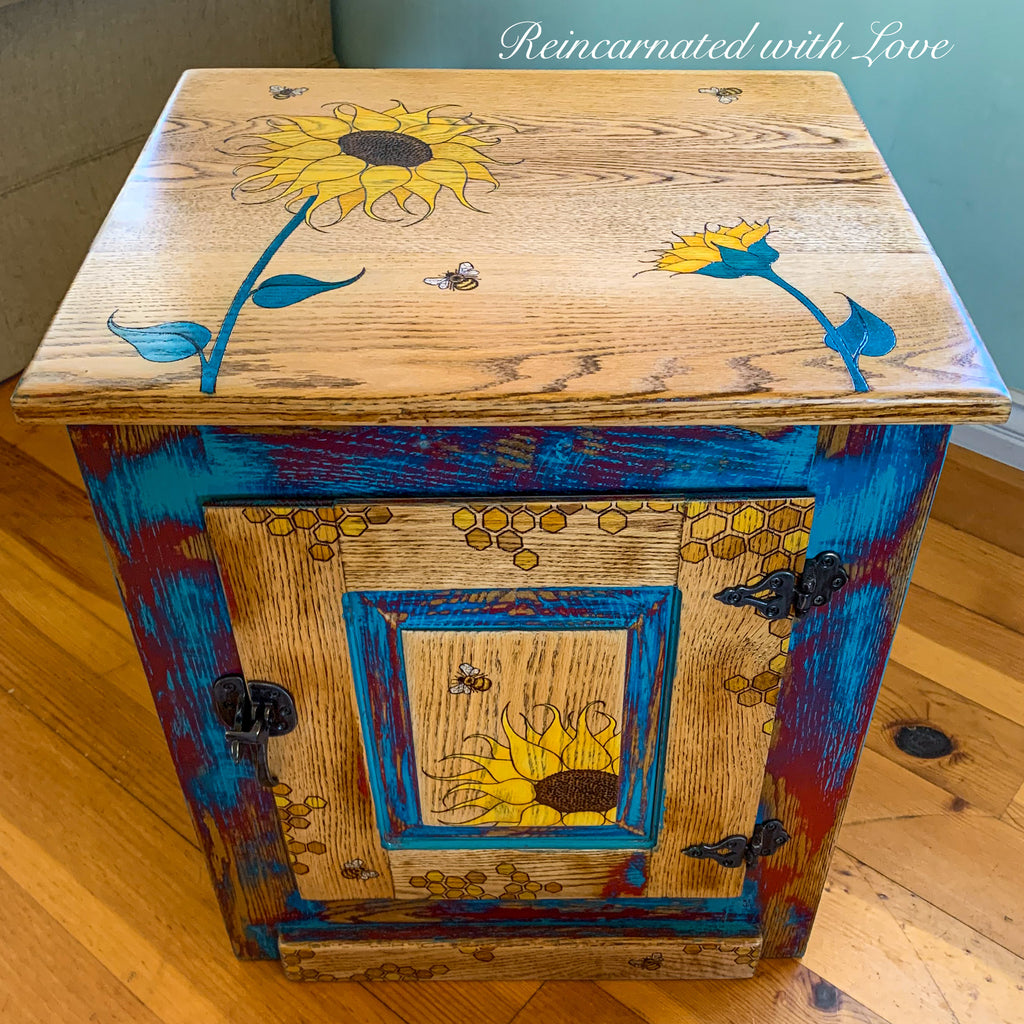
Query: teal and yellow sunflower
{"type": "Point", "coordinates": [356, 156]}
{"type": "Point", "coordinates": [565, 774]}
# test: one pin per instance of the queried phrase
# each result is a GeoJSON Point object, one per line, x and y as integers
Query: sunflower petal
{"type": "Point", "coordinates": [755, 234]}
{"type": "Point", "coordinates": [555, 737]}
{"type": "Point", "coordinates": [379, 181]}
{"type": "Point", "coordinates": [477, 172]}
{"type": "Point", "coordinates": [309, 149]}
{"type": "Point", "coordinates": [721, 239]}
{"type": "Point", "coordinates": [531, 760]}
{"type": "Point", "coordinates": [512, 791]}
{"type": "Point", "coordinates": [426, 190]}
{"type": "Point", "coordinates": [448, 173]}
{"type": "Point", "coordinates": [585, 751]}
{"type": "Point", "coordinates": [584, 818]}
{"type": "Point", "coordinates": [434, 131]}
{"type": "Point", "coordinates": [502, 814]}
{"type": "Point", "coordinates": [366, 120]}
{"type": "Point", "coordinates": [537, 815]}
{"type": "Point", "coordinates": [458, 152]}
{"type": "Point", "coordinates": [323, 127]}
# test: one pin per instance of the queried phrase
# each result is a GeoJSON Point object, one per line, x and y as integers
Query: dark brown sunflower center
{"type": "Point", "coordinates": [391, 148]}
{"type": "Point", "coordinates": [578, 789]}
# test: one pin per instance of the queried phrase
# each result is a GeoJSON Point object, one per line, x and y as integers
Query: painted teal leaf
{"type": "Point", "coordinates": [164, 343]}
{"type": "Point", "coordinates": [287, 289]}
{"type": "Point", "coordinates": [755, 261]}
{"type": "Point", "coordinates": [864, 333]}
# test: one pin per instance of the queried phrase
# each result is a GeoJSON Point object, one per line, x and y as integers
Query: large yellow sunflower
{"type": "Point", "coordinates": [357, 156]}
{"type": "Point", "coordinates": [563, 775]}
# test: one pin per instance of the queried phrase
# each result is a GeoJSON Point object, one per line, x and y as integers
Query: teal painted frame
{"type": "Point", "coordinates": [649, 614]}
{"type": "Point", "coordinates": [872, 486]}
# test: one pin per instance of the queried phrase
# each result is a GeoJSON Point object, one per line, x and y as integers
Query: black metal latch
{"type": "Point", "coordinates": [252, 713]}
{"type": "Point", "coordinates": [733, 851]}
{"type": "Point", "coordinates": [781, 594]}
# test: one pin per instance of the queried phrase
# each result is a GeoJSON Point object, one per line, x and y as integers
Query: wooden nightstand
{"type": "Point", "coordinates": [511, 613]}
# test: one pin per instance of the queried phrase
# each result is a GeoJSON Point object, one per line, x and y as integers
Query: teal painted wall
{"type": "Point", "coordinates": [950, 129]}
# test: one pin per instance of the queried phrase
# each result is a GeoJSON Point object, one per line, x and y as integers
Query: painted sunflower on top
{"type": "Point", "coordinates": [338, 162]}
{"type": "Point", "coordinates": [357, 156]}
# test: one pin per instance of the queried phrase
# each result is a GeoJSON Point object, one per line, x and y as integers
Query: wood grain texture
{"type": "Point", "coordinates": [596, 170]}
{"type": "Point", "coordinates": [508, 957]}
{"type": "Point", "coordinates": [729, 667]}
{"type": "Point", "coordinates": [878, 951]}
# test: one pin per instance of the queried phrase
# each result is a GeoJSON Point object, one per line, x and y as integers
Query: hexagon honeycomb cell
{"type": "Point", "coordinates": [778, 663]}
{"type": "Point", "coordinates": [796, 541]}
{"type": "Point", "coordinates": [612, 521]}
{"type": "Point", "coordinates": [494, 519]}
{"type": "Point", "coordinates": [280, 526]}
{"type": "Point", "coordinates": [693, 552]}
{"type": "Point", "coordinates": [509, 541]}
{"type": "Point", "coordinates": [378, 515]}
{"type": "Point", "coordinates": [552, 521]}
{"type": "Point", "coordinates": [748, 698]}
{"type": "Point", "coordinates": [708, 525]}
{"type": "Point", "coordinates": [785, 518]}
{"type": "Point", "coordinates": [728, 547]}
{"type": "Point", "coordinates": [525, 559]}
{"type": "Point", "coordinates": [321, 552]}
{"type": "Point", "coordinates": [304, 518]}
{"type": "Point", "coordinates": [765, 681]}
{"type": "Point", "coordinates": [749, 519]}
{"type": "Point", "coordinates": [463, 518]}
{"type": "Point", "coordinates": [256, 515]}
{"type": "Point", "coordinates": [478, 539]}
{"type": "Point", "coordinates": [736, 684]}
{"type": "Point", "coordinates": [523, 521]}
{"type": "Point", "coordinates": [353, 526]}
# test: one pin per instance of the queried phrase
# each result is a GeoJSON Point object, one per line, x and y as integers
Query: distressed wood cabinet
{"type": "Point", "coordinates": [477, 539]}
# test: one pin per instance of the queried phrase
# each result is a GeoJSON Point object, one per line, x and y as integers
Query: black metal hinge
{"type": "Point", "coordinates": [781, 594]}
{"type": "Point", "coordinates": [733, 851]}
{"type": "Point", "coordinates": [253, 712]}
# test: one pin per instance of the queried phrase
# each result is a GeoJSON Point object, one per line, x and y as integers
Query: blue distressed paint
{"type": "Point", "coordinates": [375, 621]}
{"type": "Point", "coordinates": [148, 487]}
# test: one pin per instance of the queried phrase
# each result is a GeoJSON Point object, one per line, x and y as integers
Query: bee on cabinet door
{"type": "Point", "coordinates": [356, 869]}
{"type": "Point", "coordinates": [469, 680]}
{"type": "Point", "coordinates": [461, 280]}
{"type": "Point", "coordinates": [648, 963]}
{"type": "Point", "coordinates": [727, 95]}
{"type": "Point", "coordinates": [283, 92]}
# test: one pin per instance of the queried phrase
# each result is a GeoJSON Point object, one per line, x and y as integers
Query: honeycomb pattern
{"type": "Point", "coordinates": [394, 972]}
{"type": "Point", "coordinates": [485, 954]}
{"type": "Point", "coordinates": [299, 966]}
{"type": "Point", "coordinates": [324, 526]}
{"type": "Point", "coordinates": [775, 530]}
{"type": "Point", "coordinates": [294, 819]}
{"type": "Point", "coordinates": [764, 687]}
{"type": "Point", "coordinates": [511, 885]}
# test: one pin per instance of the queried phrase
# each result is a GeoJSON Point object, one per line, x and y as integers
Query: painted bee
{"type": "Point", "coordinates": [728, 95]}
{"type": "Point", "coordinates": [461, 280]}
{"type": "Point", "coordinates": [356, 869]}
{"type": "Point", "coordinates": [283, 92]}
{"type": "Point", "coordinates": [469, 680]}
{"type": "Point", "coordinates": [648, 963]}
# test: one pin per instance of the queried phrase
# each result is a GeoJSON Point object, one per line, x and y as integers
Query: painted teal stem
{"type": "Point", "coordinates": [859, 383]}
{"type": "Point", "coordinates": [211, 363]}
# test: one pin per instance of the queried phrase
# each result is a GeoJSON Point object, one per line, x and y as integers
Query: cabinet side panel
{"type": "Point", "coordinates": [874, 487]}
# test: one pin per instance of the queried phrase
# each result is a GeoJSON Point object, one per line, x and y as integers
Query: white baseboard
{"type": "Point", "coordinates": [1003, 442]}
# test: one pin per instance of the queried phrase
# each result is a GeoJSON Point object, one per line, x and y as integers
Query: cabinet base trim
{"type": "Point", "coordinates": [507, 956]}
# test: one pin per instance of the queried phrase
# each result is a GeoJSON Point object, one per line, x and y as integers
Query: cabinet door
{"type": "Point", "coordinates": [513, 701]}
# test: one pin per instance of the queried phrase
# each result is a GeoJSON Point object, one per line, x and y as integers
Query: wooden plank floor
{"type": "Point", "coordinates": [106, 914]}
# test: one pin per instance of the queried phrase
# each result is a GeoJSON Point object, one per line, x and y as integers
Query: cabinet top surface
{"type": "Point", "coordinates": [546, 247]}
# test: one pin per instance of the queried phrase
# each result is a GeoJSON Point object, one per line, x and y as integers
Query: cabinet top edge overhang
{"type": "Point", "coordinates": [334, 246]}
